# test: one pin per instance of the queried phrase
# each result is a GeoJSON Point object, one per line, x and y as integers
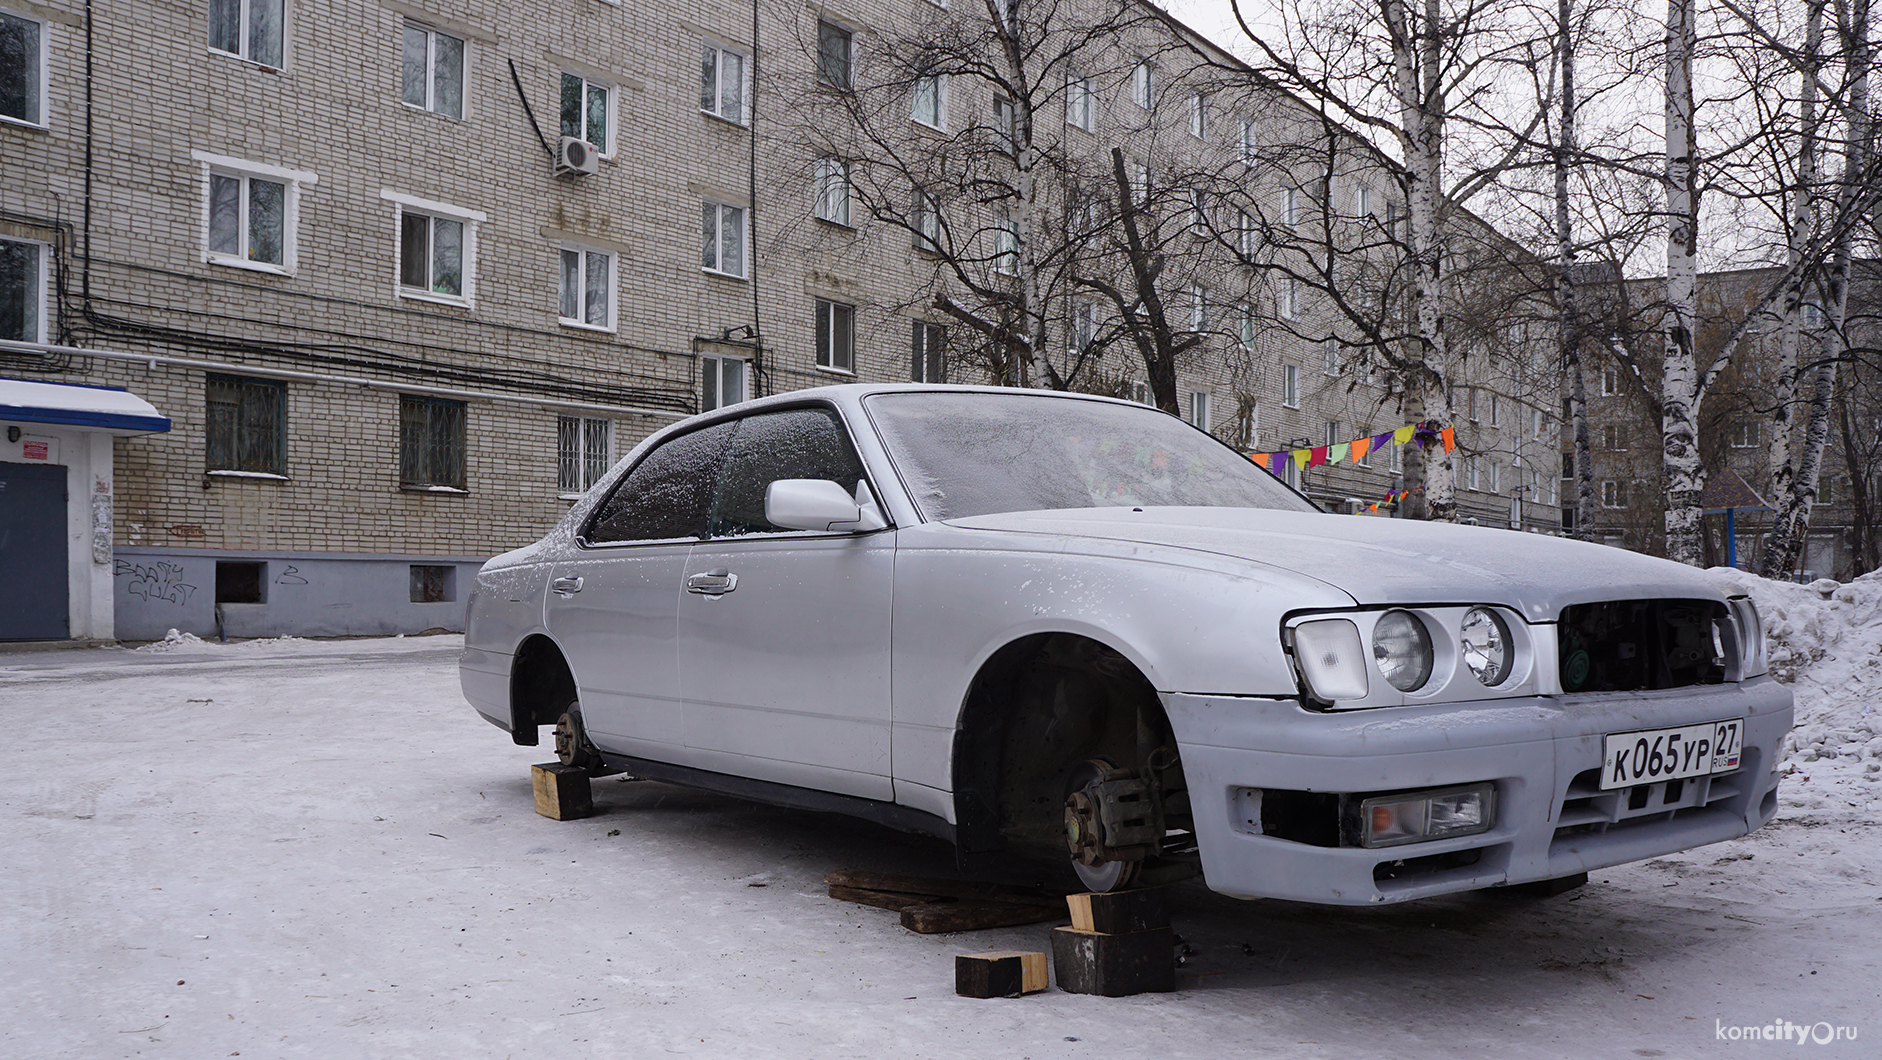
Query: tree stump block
{"type": "Point", "coordinates": [1000, 973]}
{"type": "Point", "coordinates": [562, 792]}
{"type": "Point", "coordinates": [1119, 912]}
{"type": "Point", "coordinates": [1089, 962]}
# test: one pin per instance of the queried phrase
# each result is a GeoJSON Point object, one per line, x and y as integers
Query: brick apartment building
{"type": "Point", "coordinates": [382, 286]}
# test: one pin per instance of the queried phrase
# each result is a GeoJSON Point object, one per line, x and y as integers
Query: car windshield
{"type": "Point", "coordinates": [964, 454]}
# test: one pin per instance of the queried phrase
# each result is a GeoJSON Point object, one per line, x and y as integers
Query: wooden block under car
{"type": "Point", "coordinates": [1089, 962]}
{"type": "Point", "coordinates": [1119, 912]}
{"type": "Point", "coordinates": [1001, 973]}
{"type": "Point", "coordinates": [562, 792]}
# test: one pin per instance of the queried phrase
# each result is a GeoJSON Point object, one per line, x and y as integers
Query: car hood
{"type": "Point", "coordinates": [1385, 561]}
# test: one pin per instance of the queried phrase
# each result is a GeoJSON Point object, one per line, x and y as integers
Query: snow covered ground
{"type": "Point", "coordinates": [315, 849]}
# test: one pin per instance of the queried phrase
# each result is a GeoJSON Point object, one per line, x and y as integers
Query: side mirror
{"type": "Point", "coordinates": [817, 504]}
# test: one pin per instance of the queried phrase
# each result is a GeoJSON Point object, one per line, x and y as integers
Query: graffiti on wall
{"type": "Point", "coordinates": [158, 580]}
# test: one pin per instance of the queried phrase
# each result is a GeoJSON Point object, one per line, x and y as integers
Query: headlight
{"type": "Point", "coordinates": [1402, 649]}
{"type": "Point", "coordinates": [1752, 661]}
{"type": "Point", "coordinates": [1331, 659]}
{"type": "Point", "coordinates": [1485, 643]}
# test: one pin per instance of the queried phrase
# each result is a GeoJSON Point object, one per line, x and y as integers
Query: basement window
{"type": "Point", "coordinates": [240, 582]}
{"type": "Point", "coordinates": [434, 583]}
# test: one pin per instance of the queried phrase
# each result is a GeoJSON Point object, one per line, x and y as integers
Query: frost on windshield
{"type": "Point", "coordinates": [979, 454]}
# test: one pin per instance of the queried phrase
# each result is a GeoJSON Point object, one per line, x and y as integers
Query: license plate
{"type": "Point", "coordinates": [1654, 755]}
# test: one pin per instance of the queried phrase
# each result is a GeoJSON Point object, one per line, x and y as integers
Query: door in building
{"type": "Point", "coordinates": [33, 577]}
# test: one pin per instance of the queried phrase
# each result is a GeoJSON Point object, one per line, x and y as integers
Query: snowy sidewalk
{"type": "Point", "coordinates": [316, 849]}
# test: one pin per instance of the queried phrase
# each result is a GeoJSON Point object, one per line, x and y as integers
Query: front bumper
{"type": "Point", "coordinates": [1543, 753]}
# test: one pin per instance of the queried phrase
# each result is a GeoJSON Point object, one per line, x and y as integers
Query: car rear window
{"type": "Point", "coordinates": [968, 454]}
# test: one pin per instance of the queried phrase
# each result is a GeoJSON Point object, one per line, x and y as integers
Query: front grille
{"type": "Point", "coordinates": [1586, 809]}
{"type": "Point", "coordinates": [1635, 645]}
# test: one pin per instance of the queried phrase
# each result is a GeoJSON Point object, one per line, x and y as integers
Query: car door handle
{"type": "Point", "coordinates": [712, 582]}
{"type": "Point", "coordinates": [566, 586]}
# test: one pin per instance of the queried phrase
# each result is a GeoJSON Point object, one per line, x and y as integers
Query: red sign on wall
{"type": "Point", "coordinates": [34, 450]}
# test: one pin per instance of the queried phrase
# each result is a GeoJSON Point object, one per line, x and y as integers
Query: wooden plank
{"type": "Point", "coordinates": [562, 792]}
{"type": "Point", "coordinates": [879, 899]}
{"type": "Point", "coordinates": [1119, 912]}
{"type": "Point", "coordinates": [1001, 973]}
{"type": "Point", "coordinates": [938, 887]}
{"type": "Point", "coordinates": [1087, 962]}
{"type": "Point", "coordinates": [936, 918]}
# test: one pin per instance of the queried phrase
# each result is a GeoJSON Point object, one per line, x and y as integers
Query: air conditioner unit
{"type": "Point", "coordinates": [577, 156]}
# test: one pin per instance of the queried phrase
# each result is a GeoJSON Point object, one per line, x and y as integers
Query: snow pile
{"type": "Point", "coordinates": [173, 641]}
{"type": "Point", "coordinates": [1825, 641]}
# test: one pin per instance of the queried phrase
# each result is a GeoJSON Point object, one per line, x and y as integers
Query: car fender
{"type": "Point", "coordinates": [1188, 621]}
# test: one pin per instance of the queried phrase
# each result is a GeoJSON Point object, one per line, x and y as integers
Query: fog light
{"type": "Point", "coordinates": [1416, 817]}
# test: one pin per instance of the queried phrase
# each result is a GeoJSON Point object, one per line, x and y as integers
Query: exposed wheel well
{"type": "Point", "coordinates": [541, 685]}
{"type": "Point", "coordinates": [1040, 706]}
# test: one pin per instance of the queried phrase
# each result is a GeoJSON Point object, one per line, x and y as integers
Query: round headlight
{"type": "Point", "coordinates": [1402, 650]}
{"type": "Point", "coordinates": [1485, 642]}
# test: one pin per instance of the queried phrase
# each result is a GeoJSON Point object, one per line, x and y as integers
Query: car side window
{"type": "Point", "coordinates": [798, 443]}
{"type": "Point", "coordinates": [668, 493]}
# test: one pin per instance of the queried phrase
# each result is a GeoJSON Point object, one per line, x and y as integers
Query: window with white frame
{"type": "Point", "coordinates": [1005, 246]}
{"type": "Point", "coordinates": [1139, 391]}
{"type": "Point", "coordinates": [1371, 450]}
{"type": "Point", "coordinates": [1198, 307]}
{"type": "Point", "coordinates": [437, 249]}
{"type": "Point", "coordinates": [1290, 386]}
{"type": "Point", "coordinates": [22, 290]}
{"type": "Point", "coordinates": [1496, 410]}
{"type": "Point", "coordinates": [1247, 235]}
{"type": "Point", "coordinates": [1333, 433]}
{"type": "Point", "coordinates": [588, 111]}
{"type": "Point", "coordinates": [929, 349]}
{"type": "Point", "coordinates": [1472, 473]}
{"type": "Point", "coordinates": [1535, 423]}
{"type": "Point", "coordinates": [583, 451]}
{"type": "Point", "coordinates": [251, 29]}
{"type": "Point", "coordinates": [833, 191]}
{"type": "Point", "coordinates": [245, 425]}
{"type": "Point", "coordinates": [1248, 425]}
{"type": "Point", "coordinates": [1813, 315]}
{"type": "Point", "coordinates": [1290, 473]}
{"type": "Point", "coordinates": [1006, 124]}
{"type": "Point", "coordinates": [1084, 221]}
{"type": "Point", "coordinates": [1245, 325]}
{"type": "Point", "coordinates": [928, 101]}
{"type": "Point", "coordinates": [431, 442]}
{"type": "Point", "coordinates": [1826, 490]}
{"type": "Point", "coordinates": [1198, 211]}
{"type": "Point", "coordinates": [251, 212]}
{"type": "Point", "coordinates": [1744, 434]}
{"type": "Point", "coordinates": [1610, 382]}
{"type": "Point", "coordinates": [587, 287]}
{"type": "Point", "coordinates": [925, 222]}
{"type": "Point", "coordinates": [836, 336]}
{"type": "Point", "coordinates": [1144, 84]}
{"type": "Point", "coordinates": [1080, 104]}
{"type": "Point", "coordinates": [1290, 298]}
{"type": "Point", "coordinates": [1613, 436]}
{"type": "Point", "coordinates": [722, 238]}
{"type": "Point", "coordinates": [22, 69]}
{"type": "Point", "coordinates": [1470, 403]}
{"type": "Point", "coordinates": [1496, 477]}
{"type": "Point", "coordinates": [1330, 356]}
{"type": "Point", "coordinates": [1362, 206]}
{"type": "Point", "coordinates": [722, 381]}
{"type": "Point", "coordinates": [1139, 179]}
{"type": "Point", "coordinates": [1199, 115]}
{"type": "Point", "coordinates": [431, 71]}
{"type": "Point", "coordinates": [836, 55]}
{"type": "Point", "coordinates": [1198, 410]}
{"type": "Point", "coordinates": [1394, 218]}
{"type": "Point", "coordinates": [1290, 208]}
{"type": "Point", "coordinates": [722, 74]}
{"type": "Point", "coordinates": [1084, 325]}
{"type": "Point", "coordinates": [1613, 493]}
{"type": "Point", "coordinates": [1249, 143]}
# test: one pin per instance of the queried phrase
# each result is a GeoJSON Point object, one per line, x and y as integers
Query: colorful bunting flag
{"type": "Point", "coordinates": [1424, 434]}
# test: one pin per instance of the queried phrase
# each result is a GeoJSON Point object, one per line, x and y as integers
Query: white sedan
{"type": "Point", "coordinates": [1011, 617]}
